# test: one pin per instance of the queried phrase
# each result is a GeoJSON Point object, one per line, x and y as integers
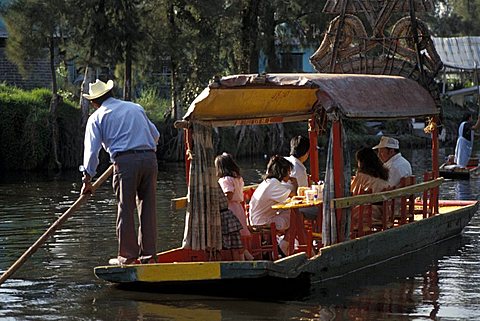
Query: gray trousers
{"type": "Point", "coordinates": [135, 184]}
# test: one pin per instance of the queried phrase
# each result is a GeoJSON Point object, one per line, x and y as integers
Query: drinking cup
{"type": "Point", "coordinates": [310, 196]}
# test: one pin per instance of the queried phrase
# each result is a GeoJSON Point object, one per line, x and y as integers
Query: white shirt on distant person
{"type": "Point", "coordinates": [299, 171]}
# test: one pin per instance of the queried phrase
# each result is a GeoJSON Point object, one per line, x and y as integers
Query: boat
{"type": "Point", "coordinates": [453, 171]}
{"type": "Point", "coordinates": [334, 246]}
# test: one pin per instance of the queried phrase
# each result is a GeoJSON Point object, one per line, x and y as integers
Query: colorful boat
{"type": "Point", "coordinates": [334, 247]}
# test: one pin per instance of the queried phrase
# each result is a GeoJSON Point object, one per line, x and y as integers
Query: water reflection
{"type": "Point", "coordinates": [57, 282]}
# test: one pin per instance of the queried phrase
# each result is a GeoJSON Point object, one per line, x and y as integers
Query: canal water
{"type": "Point", "coordinates": [441, 282]}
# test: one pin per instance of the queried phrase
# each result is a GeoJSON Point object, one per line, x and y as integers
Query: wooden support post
{"type": "Point", "coordinates": [188, 149]}
{"type": "Point", "coordinates": [313, 137]}
{"type": "Point", "coordinates": [338, 173]}
{"type": "Point", "coordinates": [435, 167]}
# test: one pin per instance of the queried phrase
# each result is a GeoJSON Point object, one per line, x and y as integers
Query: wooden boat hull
{"type": "Point", "coordinates": [332, 261]}
{"type": "Point", "coordinates": [459, 173]}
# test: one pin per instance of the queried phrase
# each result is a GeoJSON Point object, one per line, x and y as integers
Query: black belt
{"type": "Point", "coordinates": [134, 151]}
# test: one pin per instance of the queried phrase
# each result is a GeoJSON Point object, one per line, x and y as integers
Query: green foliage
{"type": "Point", "coordinates": [454, 18]}
{"type": "Point", "coordinates": [155, 107]}
{"type": "Point", "coordinates": [24, 127]}
{"type": "Point", "coordinates": [31, 26]}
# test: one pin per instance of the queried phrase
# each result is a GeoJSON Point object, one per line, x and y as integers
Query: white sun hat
{"type": "Point", "coordinates": [98, 89]}
{"type": "Point", "coordinates": [387, 142]}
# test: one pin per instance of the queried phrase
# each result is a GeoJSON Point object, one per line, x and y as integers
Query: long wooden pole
{"type": "Point", "coordinates": [80, 201]}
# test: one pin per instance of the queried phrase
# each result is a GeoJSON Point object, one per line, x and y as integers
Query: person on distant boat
{"type": "Point", "coordinates": [270, 192]}
{"type": "Point", "coordinates": [299, 152]}
{"type": "Point", "coordinates": [130, 138]}
{"type": "Point", "coordinates": [231, 182]}
{"type": "Point", "coordinates": [464, 146]}
{"type": "Point", "coordinates": [371, 175]}
{"type": "Point", "coordinates": [397, 165]}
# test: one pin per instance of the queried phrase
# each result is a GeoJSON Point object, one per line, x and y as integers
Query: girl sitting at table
{"type": "Point", "coordinates": [272, 190]}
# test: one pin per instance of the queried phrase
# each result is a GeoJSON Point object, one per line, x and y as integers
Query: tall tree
{"type": "Point", "coordinates": [87, 42]}
{"type": "Point", "coordinates": [34, 30]}
{"type": "Point", "coordinates": [455, 18]}
{"type": "Point", "coordinates": [125, 28]}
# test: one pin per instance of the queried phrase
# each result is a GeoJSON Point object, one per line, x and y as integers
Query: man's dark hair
{"type": "Point", "coordinates": [466, 116]}
{"type": "Point", "coordinates": [299, 146]}
{"type": "Point", "coordinates": [102, 98]}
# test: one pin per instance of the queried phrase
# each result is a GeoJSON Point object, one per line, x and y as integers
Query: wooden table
{"type": "Point", "coordinates": [297, 228]}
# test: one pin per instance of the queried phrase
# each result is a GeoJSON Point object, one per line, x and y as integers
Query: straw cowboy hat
{"type": "Point", "coordinates": [98, 89]}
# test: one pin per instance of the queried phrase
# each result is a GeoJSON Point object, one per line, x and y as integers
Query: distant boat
{"type": "Point", "coordinates": [453, 171]}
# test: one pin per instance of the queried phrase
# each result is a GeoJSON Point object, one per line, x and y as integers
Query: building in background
{"type": "Point", "coordinates": [39, 75]}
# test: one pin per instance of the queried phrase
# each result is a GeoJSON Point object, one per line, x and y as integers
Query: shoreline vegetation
{"type": "Point", "coordinates": [25, 128]}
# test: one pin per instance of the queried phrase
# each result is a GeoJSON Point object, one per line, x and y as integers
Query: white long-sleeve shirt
{"type": "Point", "coordinates": [117, 126]}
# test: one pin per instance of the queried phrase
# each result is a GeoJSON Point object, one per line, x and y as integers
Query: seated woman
{"type": "Point", "coordinates": [272, 190]}
{"type": "Point", "coordinates": [371, 174]}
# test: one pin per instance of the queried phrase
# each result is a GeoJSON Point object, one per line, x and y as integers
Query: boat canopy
{"type": "Point", "coordinates": [269, 98]}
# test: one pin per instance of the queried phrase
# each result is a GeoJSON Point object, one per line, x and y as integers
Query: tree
{"type": "Point", "coordinates": [455, 18]}
{"type": "Point", "coordinates": [34, 29]}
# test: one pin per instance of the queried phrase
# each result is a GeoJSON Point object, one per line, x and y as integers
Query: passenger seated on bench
{"type": "Point", "coordinates": [371, 174]}
{"type": "Point", "coordinates": [397, 165]}
{"type": "Point", "coordinates": [270, 192]}
{"type": "Point", "coordinates": [299, 153]}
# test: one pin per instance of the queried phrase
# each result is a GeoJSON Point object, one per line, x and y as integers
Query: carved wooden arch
{"type": "Point", "coordinates": [404, 49]}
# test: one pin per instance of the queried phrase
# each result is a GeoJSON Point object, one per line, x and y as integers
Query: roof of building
{"type": "Point", "coordinates": [459, 52]}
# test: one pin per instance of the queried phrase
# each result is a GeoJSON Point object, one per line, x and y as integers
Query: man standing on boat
{"type": "Point", "coordinates": [464, 146]}
{"type": "Point", "coordinates": [130, 138]}
{"type": "Point", "coordinates": [398, 166]}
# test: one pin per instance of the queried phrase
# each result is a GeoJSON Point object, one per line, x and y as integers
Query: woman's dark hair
{"type": "Point", "coordinates": [278, 167]}
{"type": "Point", "coordinates": [299, 146]}
{"type": "Point", "coordinates": [226, 166]}
{"type": "Point", "coordinates": [370, 164]}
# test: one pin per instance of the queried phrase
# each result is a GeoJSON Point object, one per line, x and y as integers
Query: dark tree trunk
{"type": "Point", "coordinates": [84, 103]}
{"type": "Point", "coordinates": [54, 106]}
{"type": "Point", "coordinates": [248, 61]}
{"type": "Point", "coordinates": [273, 64]}
{"type": "Point", "coordinates": [176, 113]}
{"type": "Point", "coordinates": [127, 87]}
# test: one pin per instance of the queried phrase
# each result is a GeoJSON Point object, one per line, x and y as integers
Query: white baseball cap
{"type": "Point", "coordinates": [387, 142]}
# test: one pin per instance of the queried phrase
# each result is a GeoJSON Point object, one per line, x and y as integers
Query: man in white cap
{"type": "Point", "coordinates": [398, 166]}
{"type": "Point", "coordinates": [130, 138]}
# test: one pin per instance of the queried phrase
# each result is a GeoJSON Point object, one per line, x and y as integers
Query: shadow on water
{"type": "Point", "coordinates": [410, 265]}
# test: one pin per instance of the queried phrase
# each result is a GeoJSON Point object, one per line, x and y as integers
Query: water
{"type": "Point", "coordinates": [57, 282]}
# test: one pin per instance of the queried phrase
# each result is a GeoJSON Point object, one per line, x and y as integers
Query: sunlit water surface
{"type": "Point", "coordinates": [57, 282]}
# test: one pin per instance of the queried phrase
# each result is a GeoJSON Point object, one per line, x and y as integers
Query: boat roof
{"type": "Point", "coordinates": [268, 98]}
